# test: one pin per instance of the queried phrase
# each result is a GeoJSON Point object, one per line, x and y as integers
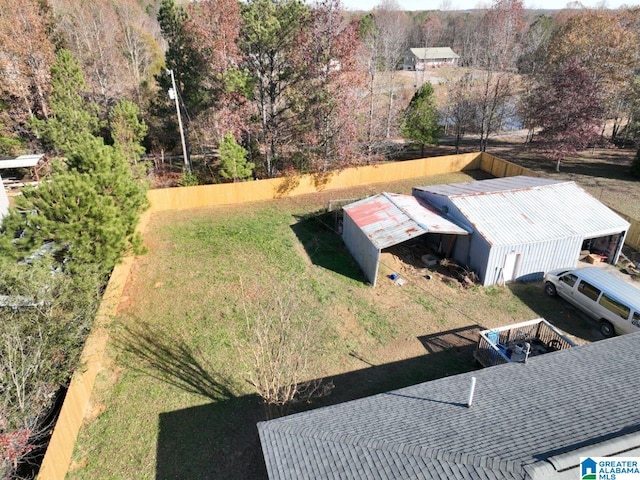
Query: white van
{"type": "Point", "coordinates": [614, 303]}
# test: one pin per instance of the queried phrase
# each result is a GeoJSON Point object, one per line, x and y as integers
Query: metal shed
{"type": "Point", "coordinates": [525, 226]}
{"type": "Point", "coordinates": [388, 219]}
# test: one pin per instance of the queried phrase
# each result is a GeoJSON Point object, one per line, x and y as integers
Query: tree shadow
{"type": "Point", "coordinates": [214, 441]}
{"type": "Point", "coordinates": [557, 311]}
{"type": "Point", "coordinates": [317, 232]}
{"type": "Point", "coordinates": [220, 440]}
{"type": "Point", "coordinates": [159, 356]}
{"type": "Point", "coordinates": [288, 183]}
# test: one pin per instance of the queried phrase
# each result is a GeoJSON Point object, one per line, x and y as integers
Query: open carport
{"type": "Point", "coordinates": [387, 219]}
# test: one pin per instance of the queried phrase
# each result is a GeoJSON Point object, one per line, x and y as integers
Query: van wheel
{"type": "Point", "coordinates": [550, 289]}
{"type": "Point", "coordinates": [607, 329]}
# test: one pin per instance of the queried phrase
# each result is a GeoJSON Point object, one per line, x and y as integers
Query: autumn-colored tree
{"type": "Point", "coordinates": [368, 34]}
{"type": "Point", "coordinates": [27, 54]}
{"type": "Point", "coordinates": [496, 53]}
{"type": "Point", "coordinates": [392, 33]}
{"type": "Point", "coordinates": [201, 51]}
{"type": "Point", "coordinates": [566, 105]}
{"type": "Point", "coordinates": [460, 108]}
{"type": "Point", "coordinates": [599, 41]}
{"type": "Point", "coordinates": [329, 125]}
{"type": "Point", "coordinates": [383, 34]}
{"type": "Point", "coordinates": [139, 40]}
{"type": "Point", "coordinates": [215, 24]}
{"type": "Point", "coordinates": [90, 29]}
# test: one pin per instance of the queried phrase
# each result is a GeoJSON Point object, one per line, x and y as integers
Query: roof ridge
{"type": "Point", "coordinates": [433, 453]}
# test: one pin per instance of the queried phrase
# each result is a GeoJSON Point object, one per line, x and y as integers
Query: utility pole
{"type": "Point", "coordinates": [173, 95]}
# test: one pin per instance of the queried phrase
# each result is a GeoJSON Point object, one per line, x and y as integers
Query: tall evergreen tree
{"type": "Point", "coordinates": [128, 131]}
{"type": "Point", "coordinates": [72, 117]}
{"type": "Point", "coordinates": [274, 50]}
{"type": "Point", "coordinates": [420, 121]}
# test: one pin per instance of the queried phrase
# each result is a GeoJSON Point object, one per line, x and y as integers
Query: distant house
{"type": "Point", "coordinates": [528, 421]}
{"type": "Point", "coordinates": [421, 58]}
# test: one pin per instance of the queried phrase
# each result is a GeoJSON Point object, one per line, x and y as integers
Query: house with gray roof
{"type": "Point", "coordinates": [528, 421]}
{"type": "Point", "coordinates": [421, 58]}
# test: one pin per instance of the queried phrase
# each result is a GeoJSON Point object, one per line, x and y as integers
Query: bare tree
{"type": "Point", "coordinates": [26, 57]}
{"type": "Point", "coordinates": [281, 338]}
{"type": "Point", "coordinates": [496, 53]}
{"type": "Point", "coordinates": [460, 108]}
{"type": "Point", "coordinates": [392, 27]}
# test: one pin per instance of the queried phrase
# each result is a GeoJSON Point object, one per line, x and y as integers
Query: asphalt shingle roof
{"type": "Point", "coordinates": [524, 420]}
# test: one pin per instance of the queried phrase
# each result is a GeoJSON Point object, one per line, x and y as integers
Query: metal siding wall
{"type": "Point", "coordinates": [480, 255]}
{"type": "Point", "coordinates": [537, 258]}
{"type": "Point", "coordinates": [361, 248]}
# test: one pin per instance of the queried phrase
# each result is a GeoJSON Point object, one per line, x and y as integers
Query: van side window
{"type": "Point", "coordinates": [588, 290]}
{"type": "Point", "coordinates": [569, 279]}
{"type": "Point", "coordinates": [614, 306]}
{"type": "Point", "coordinates": [635, 320]}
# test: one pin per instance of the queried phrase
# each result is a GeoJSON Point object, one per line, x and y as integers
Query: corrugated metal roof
{"type": "Point", "coordinates": [492, 185]}
{"type": "Point", "coordinates": [389, 218]}
{"type": "Point", "coordinates": [521, 209]}
{"type": "Point", "coordinates": [23, 161]}
{"type": "Point", "coordinates": [434, 53]}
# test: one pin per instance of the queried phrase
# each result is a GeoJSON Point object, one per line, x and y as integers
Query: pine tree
{"type": "Point", "coordinates": [89, 207]}
{"type": "Point", "coordinates": [420, 122]}
{"type": "Point", "coordinates": [128, 132]}
{"type": "Point", "coordinates": [72, 117]}
{"type": "Point", "coordinates": [233, 160]}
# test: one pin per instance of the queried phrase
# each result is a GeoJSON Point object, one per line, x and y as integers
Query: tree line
{"type": "Point", "coordinates": [312, 87]}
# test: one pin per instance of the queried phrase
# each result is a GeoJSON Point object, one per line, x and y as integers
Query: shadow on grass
{"type": "Point", "coordinates": [324, 245]}
{"type": "Point", "coordinates": [556, 311]}
{"type": "Point", "coordinates": [161, 357]}
{"type": "Point", "coordinates": [220, 440]}
{"type": "Point", "coordinates": [213, 441]}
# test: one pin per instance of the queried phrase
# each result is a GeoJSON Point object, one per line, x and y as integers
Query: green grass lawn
{"type": "Point", "coordinates": [174, 400]}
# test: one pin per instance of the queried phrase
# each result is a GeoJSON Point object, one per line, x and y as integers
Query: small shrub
{"type": "Point", "coordinates": [189, 179]}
